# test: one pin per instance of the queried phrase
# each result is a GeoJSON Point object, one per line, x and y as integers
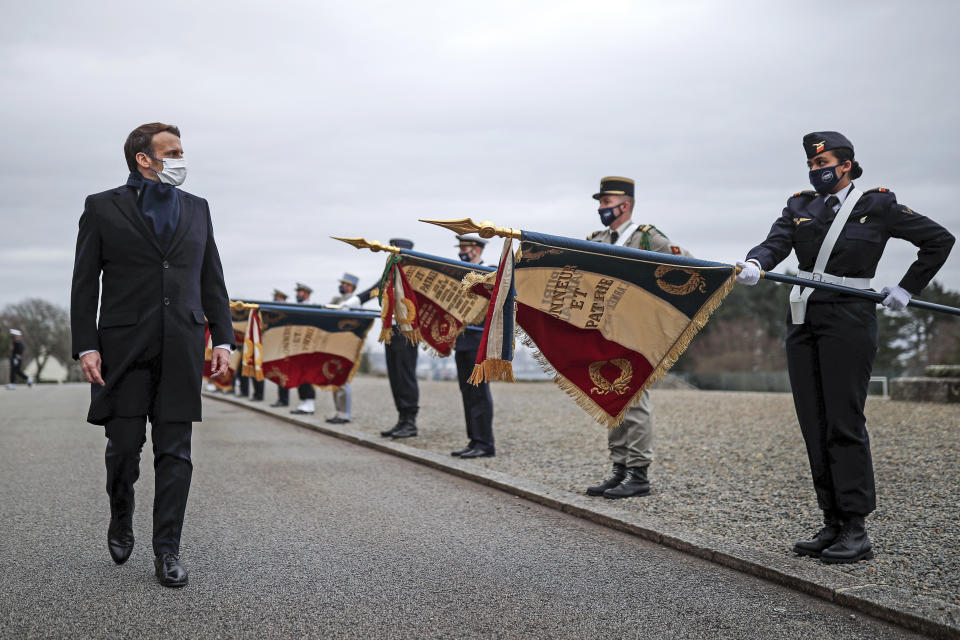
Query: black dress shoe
{"type": "Point", "coordinates": [615, 478]}
{"type": "Point", "coordinates": [386, 433]}
{"type": "Point", "coordinates": [477, 453]}
{"type": "Point", "coordinates": [120, 542]}
{"type": "Point", "coordinates": [406, 430]}
{"type": "Point", "coordinates": [256, 399]}
{"type": "Point", "coordinates": [634, 484]}
{"type": "Point", "coordinates": [337, 420]}
{"type": "Point", "coordinates": [822, 539]}
{"type": "Point", "coordinates": [301, 412]}
{"type": "Point", "coordinates": [460, 452]}
{"type": "Point", "coordinates": [280, 404]}
{"type": "Point", "coordinates": [170, 573]}
{"type": "Point", "coordinates": [852, 544]}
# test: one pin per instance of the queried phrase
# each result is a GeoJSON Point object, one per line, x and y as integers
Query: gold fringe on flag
{"type": "Point", "coordinates": [492, 370]}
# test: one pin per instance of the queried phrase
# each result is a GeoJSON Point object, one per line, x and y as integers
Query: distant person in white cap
{"type": "Point", "coordinates": [16, 360]}
{"type": "Point", "coordinates": [346, 299]}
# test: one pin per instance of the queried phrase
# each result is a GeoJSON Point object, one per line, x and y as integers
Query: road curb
{"type": "Point", "coordinates": [929, 616]}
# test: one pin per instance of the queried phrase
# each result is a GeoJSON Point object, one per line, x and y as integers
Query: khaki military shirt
{"type": "Point", "coordinates": [643, 236]}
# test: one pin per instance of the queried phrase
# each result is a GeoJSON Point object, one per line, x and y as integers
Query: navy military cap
{"type": "Point", "coordinates": [614, 186]}
{"type": "Point", "coordinates": [402, 243]}
{"type": "Point", "coordinates": [302, 287]}
{"type": "Point", "coordinates": [349, 278]}
{"type": "Point", "coordinates": [465, 239]}
{"type": "Point", "coordinates": [819, 141]}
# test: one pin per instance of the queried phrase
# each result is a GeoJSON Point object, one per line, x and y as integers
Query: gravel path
{"type": "Point", "coordinates": [727, 464]}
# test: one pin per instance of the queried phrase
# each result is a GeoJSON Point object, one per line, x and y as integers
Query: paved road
{"type": "Point", "coordinates": [293, 534]}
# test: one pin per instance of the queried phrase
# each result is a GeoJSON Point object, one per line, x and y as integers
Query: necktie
{"type": "Point", "coordinates": [613, 237]}
{"type": "Point", "coordinates": [832, 202]}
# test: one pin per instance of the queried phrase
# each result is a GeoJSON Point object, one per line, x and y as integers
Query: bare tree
{"type": "Point", "coordinates": [46, 330]}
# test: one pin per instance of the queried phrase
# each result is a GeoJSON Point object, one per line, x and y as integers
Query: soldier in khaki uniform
{"type": "Point", "coordinates": [631, 443]}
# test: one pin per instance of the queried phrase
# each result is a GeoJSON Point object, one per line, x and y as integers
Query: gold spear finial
{"type": "Point", "coordinates": [485, 229]}
{"type": "Point", "coordinates": [361, 243]}
{"type": "Point", "coordinates": [240, 304]}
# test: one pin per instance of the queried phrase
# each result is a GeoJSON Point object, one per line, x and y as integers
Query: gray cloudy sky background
{"type": "Point", "coordinates": [302, 120]}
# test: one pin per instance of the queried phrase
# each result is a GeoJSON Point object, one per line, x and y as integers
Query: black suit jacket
{"type": "Point", "coordinates": [149, 298]}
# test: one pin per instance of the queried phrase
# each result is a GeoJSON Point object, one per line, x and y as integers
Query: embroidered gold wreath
{"type": "Point", "coordinates": [532, 254]}
{"type": "Point", "coordinates": [270, 318]}
{"type": "Point", "coordinates": [442, 331]}
{"type": "Point", "coordinates": [411, 309]}
{"type": "Point", "coordinates": [332, 368]}
{"type": "Point", "coordinates": [693, 283]}
{"type": "Point", "coordinates": [619, 386]}
{"type": "Point", "coordinates": [278, 376]}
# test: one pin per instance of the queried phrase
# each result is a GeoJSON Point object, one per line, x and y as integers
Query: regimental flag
{"type": "Point", "coordinates": [422, 295]}
{"type": "Point", "coordinates": [312, 345]}
{"type": "Point", "coordinates": [238, 317]}
{"type": "Point", "coordinates": [252, 362]}
{"type": "Point", "coordinates": [608, 321]}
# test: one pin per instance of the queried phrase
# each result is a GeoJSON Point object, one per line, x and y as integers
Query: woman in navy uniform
{"type": "Point", "coordinates": [832, 337]}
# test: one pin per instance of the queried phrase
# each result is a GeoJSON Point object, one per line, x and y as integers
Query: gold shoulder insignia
{"type": "Point", "coordinates": [646, 227]}
{"type": "Point", "coordinates": [594, 235]}
{"type": "Point", "coordinates": [807, 192]}
{"type": "Point", "coordinates": [878, 190]}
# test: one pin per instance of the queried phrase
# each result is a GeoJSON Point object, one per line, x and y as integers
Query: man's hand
{"type": "Point", "coordinates": [90, 363]}
{"type": "Point", "coordinates": [749, 273]}
{"type": "Point", "coordinates": [219, 362]}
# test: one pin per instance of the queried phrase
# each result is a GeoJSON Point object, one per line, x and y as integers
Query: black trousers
{"type": "Point", "coordinates": [477, 402]}
{"type": "Point", "coordinates": [306, 391]}
{"type": "Point", "coordinates": [283, 395]}
{"type": "Point", "coordinates": [244, 385]}
{"type": "Point", "coordinates": [402, 371]}
{"type": "Point", "coordinates": [257, 389]}
{"type": "Point", "coordinates": [829, 359]}
{"type": "Point", "coordinates": [15, 372]}
{"type": "Point", "coordinates": [126, 435]}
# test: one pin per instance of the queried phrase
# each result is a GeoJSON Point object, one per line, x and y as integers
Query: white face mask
{"type": "Point", "coordinates": [174, 171]}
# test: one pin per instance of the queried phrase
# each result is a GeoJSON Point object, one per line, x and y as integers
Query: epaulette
{"type": "Point", "coordinates": [807, 192]}
{"type": "Point", "coordinates": [594, 234]}
{"type": "Point", "coordinates": [646, 227]}
{"type": "Point", "coordinates": [878, 190]}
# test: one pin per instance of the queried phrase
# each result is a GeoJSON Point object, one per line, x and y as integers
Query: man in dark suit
{"type": "Point", "coordinates": [477, 401]}
{"type": "Point", "coordinates": [152, 245]}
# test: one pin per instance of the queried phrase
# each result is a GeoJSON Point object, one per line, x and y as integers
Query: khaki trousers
{"type": "Point", "coordinates": [631, 443]}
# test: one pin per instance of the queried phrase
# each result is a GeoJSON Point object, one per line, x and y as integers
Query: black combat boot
{"type": "Point", "coordinates": [821, 539]}
{"type": "Point", "coordinates": [851, 544]}
{"type": "Point", "coordinates": [634, 483]}
{"type": "Point", "coordinates": [406, 429]}
{"type": "Point", "coordinates": [615, 478]}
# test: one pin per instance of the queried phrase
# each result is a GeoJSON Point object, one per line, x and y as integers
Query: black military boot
{"type": "Point", "coordinates": [406, 429]}
{"type": "Point", "coordinates": [634, 483]}
{"type": "Point", "coordinates": [851, 545]}
{"type": "Point", "coordinates": [822, 539]}
{"type": "Point", "coordinates": [386, 433]}
{"type": "Point", "coordinates": [121, 476]}
{"type": "Point", "coordinates": [615, 478]}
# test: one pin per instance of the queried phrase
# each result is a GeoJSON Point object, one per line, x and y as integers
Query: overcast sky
{"type": "Point", "coordinates": [302, 120]}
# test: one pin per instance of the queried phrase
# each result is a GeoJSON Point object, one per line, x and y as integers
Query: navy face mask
{"type": "Point", "coordinates": [464, 256]}
{"type": "Point", "coordinates": [825, 179]}
{"type": "Point", "coordinates": [609, 214]}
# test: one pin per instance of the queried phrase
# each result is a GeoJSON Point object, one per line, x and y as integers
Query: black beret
{"type": "Point", "coordinates": [614, 186]}
{"type": "Point", "coordinates": [403, 243]}
{"type": "Point", "coordinates": [819, 141]}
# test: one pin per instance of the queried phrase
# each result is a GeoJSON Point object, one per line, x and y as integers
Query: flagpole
{"type": "Point", "coordinates": [488, 230]}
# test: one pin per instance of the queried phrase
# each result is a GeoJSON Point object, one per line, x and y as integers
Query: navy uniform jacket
{"type": "Point", "coordinates": [876, 218]}
{"type": "Point", "coordinates": [148, 295]}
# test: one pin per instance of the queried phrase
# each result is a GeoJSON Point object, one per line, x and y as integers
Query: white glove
{"type": "Point", "coordinates": [897, 297]}
{"type": "Point", "coordinates": [749, 273]}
